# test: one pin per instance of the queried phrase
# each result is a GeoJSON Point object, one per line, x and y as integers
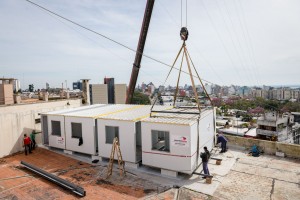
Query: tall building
{"type": "Point", "coordinates": [77, 85]}
{"type": "Point", "coordinates": [98, 94]}
{"type": "Point", "coordinates": [296, 94]}
{"type": "Point", "coordinates": [110, 89]}
{"type": "Point", "coordinates": [143, 87]}
{"type": "Point", "coordinates": [47, 86]}
{"type": "Point", "coordinates": [244, 91]}
{"type": "Point", "coordinates": [287, 94]}
{"type": "Point", "coordinates": [208, 88]}
{"type": "Point", "coordinates": [108, 93]}
{"type": "Point", "coordinates": [17, 85]}
{"type": "Point", "coordinates": [161, 88]}
{"type": "Point", "coordinates": [120, 93]}
{"type": "Point", "coordinates": [6, 91]}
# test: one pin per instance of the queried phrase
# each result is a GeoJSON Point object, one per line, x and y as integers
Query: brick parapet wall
{"type": "Point", "coordinates": [290, 150]}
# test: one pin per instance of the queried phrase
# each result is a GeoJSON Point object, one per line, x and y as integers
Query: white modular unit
{"type": "Point", "coordinates": [81, 135]}
{"type": "Point", "coordinates": [174, 141]}
{"type": "Point", "coordinates": [56, 125]}
{"type": "Point", "coordinates": [80, 127]}
{"type": "Point", "coordinates": [79, 132]}
{"type": "Point", "coordinates": [56, 131]}
{"type": "Point", "coordinates": [126, 126]}
{"type": "Point", "coordinates": [126, 133]}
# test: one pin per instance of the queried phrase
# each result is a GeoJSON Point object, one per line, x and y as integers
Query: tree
{"type": "Point", "coordinates": [216, 102]}
{"type": "Point", "coordinates": [140, 98]}
{"type": "Point", "coordinates": [291, 107]}
{"type": "Point", "coordinates": [224, 109]}
{"type": "Point", "coordinates": [256, 111]}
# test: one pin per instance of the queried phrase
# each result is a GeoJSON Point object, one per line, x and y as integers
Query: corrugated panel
{"type": "Point", "coordinates": [96, 111]}
{"type": "Point", "coordinates": [135, 114]}
{"type": "Point", "coordinates": [73, 110]}
{"type": "Point", "coordinates": [180, 119]}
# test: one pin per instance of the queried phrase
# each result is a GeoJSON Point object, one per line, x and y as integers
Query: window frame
{"type": "Point", "coordinates": [75, 123]}
{"type": "Point", "coordinates": [118, 134]}
{"type": "Point", "coordinates": [52, 132]}
{"type": "Point", "coordinates": [166, 139]}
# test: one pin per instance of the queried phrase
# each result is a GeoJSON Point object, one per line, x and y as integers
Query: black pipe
{"type": "Point", "coordinates": [55, 179]}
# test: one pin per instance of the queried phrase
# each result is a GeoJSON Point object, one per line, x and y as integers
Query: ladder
{"type": "Point", "coordinates": [116, 148]}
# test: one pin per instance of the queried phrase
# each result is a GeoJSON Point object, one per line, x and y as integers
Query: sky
{"type": "Point", "coordinates": [238, 42]}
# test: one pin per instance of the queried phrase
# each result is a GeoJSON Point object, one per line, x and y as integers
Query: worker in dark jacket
{"type": "Point", "coordinates": [205, 157]}
{"type": "Point", "coordinates": [223, 140]}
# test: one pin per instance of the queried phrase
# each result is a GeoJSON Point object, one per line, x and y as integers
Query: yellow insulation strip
{"type": "Point", "coordinates": [118, 111]}
{"type": "Point", "coordinates": [145, 116]}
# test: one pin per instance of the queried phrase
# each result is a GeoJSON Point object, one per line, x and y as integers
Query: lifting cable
{"type": "Point", "coordinates": [184, 36]}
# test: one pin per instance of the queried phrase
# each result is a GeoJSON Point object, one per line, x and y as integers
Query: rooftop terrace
{"type": "Point", "coordinates": [239, 177]}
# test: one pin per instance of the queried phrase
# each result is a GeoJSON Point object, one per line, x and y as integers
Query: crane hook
{"type": "Point", "coordinates": [184, 33]}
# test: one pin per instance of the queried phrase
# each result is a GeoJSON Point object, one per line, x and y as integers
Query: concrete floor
{"type": "Point", "coordinates": [239, 177]}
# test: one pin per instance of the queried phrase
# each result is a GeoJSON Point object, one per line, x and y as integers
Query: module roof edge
{"type": "Point", "coordinates": [72, 110]}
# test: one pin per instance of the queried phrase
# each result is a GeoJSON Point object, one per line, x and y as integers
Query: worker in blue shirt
{"type": "Point", "coordinates": [223, 140]}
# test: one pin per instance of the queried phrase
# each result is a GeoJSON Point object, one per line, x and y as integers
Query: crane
{"type": "Point", "coordinates": [140, 49]}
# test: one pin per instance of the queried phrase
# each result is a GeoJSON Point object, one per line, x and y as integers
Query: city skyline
{"type": "Point", "coordinates": [38, 47]}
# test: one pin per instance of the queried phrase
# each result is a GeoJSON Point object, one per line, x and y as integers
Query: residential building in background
{"type": "Point", "coordinates": [98, 94]}
{"type": "Point", "coordinates": [108, 93]}
{"type": "Point", "coordinates": [244, 91]}
{"type": "Point", "coordinates": [120, 93]}
{"type": "Point", "coordinates": [6, 91]}
{"type": "Point", "coordinates": [273, 126]}
{"type": "Point", "coordinates": [161, 88]}
{"type": "Point", "coordinates": [208, 88]}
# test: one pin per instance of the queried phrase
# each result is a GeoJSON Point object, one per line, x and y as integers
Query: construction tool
{"type": "Point", "coordinates": [116, 148]}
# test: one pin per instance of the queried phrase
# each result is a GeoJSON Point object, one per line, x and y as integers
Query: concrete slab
{"type": "Point", "coordinates": [238, 185]}
{"type": "Point", "coordinates": [169, 173]}
{"type": "Point", "coordinates": [239, 177]}
{"type": "Point", "coordinates": [68, 152]}
{"type": "Point", "coordinates": [279, 174]}
{"type": "Point", "coordinates": [285, 191]}
{"type": "Point", "coordinates": [132, 165]}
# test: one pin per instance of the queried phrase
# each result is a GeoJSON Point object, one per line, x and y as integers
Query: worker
{"type": "Point", "coordinates": [205, 157]}
{"type": "Point", "coordinates": [27, 144]}
{"type": "Point", "coordinates": [227, 125]}
{"type": "Point", "coordinates": [223, 140]}
{"type": "Point", "coordinates": [32, 138]}
{"type": "Point", "coordinates": [254, 151]}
